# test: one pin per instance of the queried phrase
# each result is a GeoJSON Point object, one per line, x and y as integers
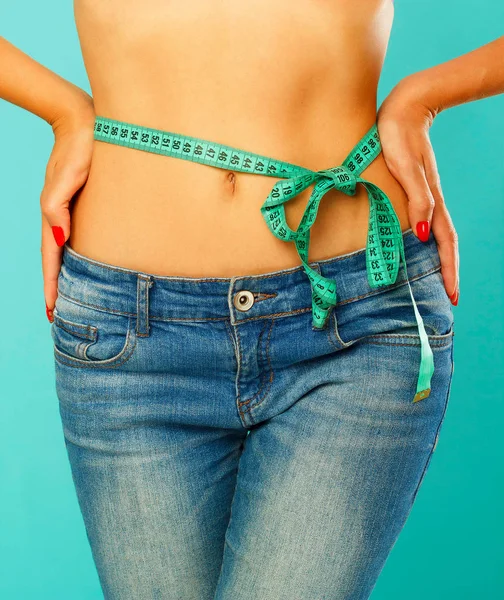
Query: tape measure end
{"type": "Point", "coordinates": [421, 395]}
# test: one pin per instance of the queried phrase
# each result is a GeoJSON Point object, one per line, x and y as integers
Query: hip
{"type": "Point", "coordinates": [113, 319]}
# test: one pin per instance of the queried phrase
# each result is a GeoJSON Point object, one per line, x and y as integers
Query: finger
{"type": "Point", "coordinates": [51, 264]}
{"type": "Point", "coordinates": [447, 243]}
{"type": "Point", "coordinates": [54, 200]}
{"type": "Point", "coordinates": [444, 231]}
{"type": "Point", "coordinates": [420, 199]}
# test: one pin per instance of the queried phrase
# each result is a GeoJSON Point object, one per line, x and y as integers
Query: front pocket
{"type": "Point", "coordinates": [389, 316]}
{"type": "Point", "coordinates": [73, 338]}
{"type": "Point", "coordinates": [87, 337]}
{"type": "Point", "coordinates": [401, 338]}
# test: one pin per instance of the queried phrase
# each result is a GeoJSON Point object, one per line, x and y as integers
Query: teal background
{"type": "Point", "coordinates": [451, 545]}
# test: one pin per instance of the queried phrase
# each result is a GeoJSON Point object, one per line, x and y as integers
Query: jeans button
{"type": "Point", "coordinates": [243, 300]}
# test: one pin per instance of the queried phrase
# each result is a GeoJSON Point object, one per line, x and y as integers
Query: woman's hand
{"type": "Point", "coordinates": [67, 171]}
{"type": "Point", "coordinates": [403, 125]}
{"type": "Point", "coordinates": [70, 112]}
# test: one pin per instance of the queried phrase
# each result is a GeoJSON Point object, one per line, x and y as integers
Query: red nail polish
{"type": "Point", "coordinates": [49, 314]}
{"type": "Point", "coordinates": [59, 236]}
{"type": "Point", "coordinates": [455, 302]}
{"type": "Point", "coordinates": [423, 230]}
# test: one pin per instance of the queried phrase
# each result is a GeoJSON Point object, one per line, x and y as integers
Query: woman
{"type": "Point", "coordinates": [223, 443]}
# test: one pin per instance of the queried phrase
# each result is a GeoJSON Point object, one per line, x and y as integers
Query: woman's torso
{"type": "Point", "coordinates": [296, 81]}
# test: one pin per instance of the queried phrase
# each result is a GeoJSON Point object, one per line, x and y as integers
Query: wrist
{"type": "Point", "coordinates": [76, 111]}
{"type": "Point", "coordinates": [416, 95]}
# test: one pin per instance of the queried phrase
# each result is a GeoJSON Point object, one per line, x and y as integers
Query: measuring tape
{"type": "Point", "coordinates": [384, 248]}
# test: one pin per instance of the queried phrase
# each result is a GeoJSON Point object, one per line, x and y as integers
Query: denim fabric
{"type": "Point", "coordinates": [227, 454]}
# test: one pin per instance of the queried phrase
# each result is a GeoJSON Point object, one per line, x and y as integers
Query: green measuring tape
{"type": "Point", "coordinates": [384, 248]}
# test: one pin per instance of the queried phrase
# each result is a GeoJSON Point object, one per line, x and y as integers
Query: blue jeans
{"type": "Point", "coordinates": [222, 448]}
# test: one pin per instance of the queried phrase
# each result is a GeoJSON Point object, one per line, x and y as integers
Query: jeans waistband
{"type": "Point", "coordinates": [240, 298]}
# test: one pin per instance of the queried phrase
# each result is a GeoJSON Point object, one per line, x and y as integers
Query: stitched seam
{"type": "Point", "coordinates": [147, 294]}
{"type": "Point", "coordinates": [132, 314]}
{"type": "Point", "coordinates": [142, 315]}
{"type": "Point", "coordinates": [330, 331]}
{"type": "Point", "coordinates": [263, 375]}
{"type": "Point", "coordinates": [264, 378]}
{"type": "Point", "coordinates": [78, 331]}
{"type": "Point", "coordinates": [275, 315]}
{"type": "Point", "coordinates": [435, 343]}
{"type": "Point", "coordinates": [138, 304]}
{"type": "Point", "coordinates": [107, 310]}
{"type": "Point", "coordinates": [432, 336]}
{"type": "Point", "coordinates": [260, 296]}
{"type": "Point", "coordinates": [268, 316]}
{"type": "Point", "coordinates": [271, 373]}
{"type": "Point", "coordinates": [83, 348]}
{"type": "Point", "coordinates": [168, 319]}
{"type": "Point", "coordinates": [233, 342]}
{"type": "Point", "coordinates": [146, 307]}
{"type": "Point", "coordinates": [333, 329]}
{"type": "Point", "coordinates": [331, 342]}
{"type": "Point", "coordinates": [238, 369]}
{"type": "Point", "coordinates": [108, 363]}
{"type": "Point", "coordinates": [441, 336]}
{"type": "Point", "coordinates": [386, 288]}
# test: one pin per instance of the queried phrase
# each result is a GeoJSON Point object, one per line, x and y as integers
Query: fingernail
{"type": "Point", "coordinates": [455, 298]}
{"type": "Point", "coordinates": [59, 236]}
{"type": "Point", "coordinates": [49, 314]}
{"type": "Point", "coordinates": [423, 230]}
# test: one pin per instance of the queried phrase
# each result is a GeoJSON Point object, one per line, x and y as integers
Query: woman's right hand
{"type": "Point", "coordinates": [66, 172]}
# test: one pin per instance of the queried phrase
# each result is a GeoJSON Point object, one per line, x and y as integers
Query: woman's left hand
{"type": "Point", "coordinates": [66, 172]}
{"type": "Point", "coordinates": [403, 126]}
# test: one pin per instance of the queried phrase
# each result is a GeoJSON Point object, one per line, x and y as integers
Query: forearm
{"type": "Point", "coordinates": [472, 76]}
{"type": "Point", "coordinates": [30, 85]}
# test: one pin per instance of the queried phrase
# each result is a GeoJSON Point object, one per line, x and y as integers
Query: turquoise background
{"type": "Point", "coordinates": [451, 544]}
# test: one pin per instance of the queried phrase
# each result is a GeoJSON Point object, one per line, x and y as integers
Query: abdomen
{"type": "Point", "coordinates": [294, 81]}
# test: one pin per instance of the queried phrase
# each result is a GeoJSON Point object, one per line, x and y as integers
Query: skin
{"type": "Point", "coordinates": [211, 79]}
{"type": "Point", "coordinates": [404, 120]}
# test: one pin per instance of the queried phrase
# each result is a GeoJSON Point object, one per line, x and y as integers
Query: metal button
{"type": "Point", "coordinates": [243, 300]}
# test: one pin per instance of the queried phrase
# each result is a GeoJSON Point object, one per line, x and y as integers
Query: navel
{"type": "Point", "coordinates": [231, 177]}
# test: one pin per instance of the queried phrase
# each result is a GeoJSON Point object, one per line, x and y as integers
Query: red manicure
{"type": "Point", "coordinates": [49, 314]}
{"type": "Point", "coordinates": [59, 236]}
{"type": "Point", "coordinates": [423, 230]}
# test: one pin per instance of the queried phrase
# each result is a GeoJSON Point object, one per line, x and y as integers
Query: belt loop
{"type": "Point", "coordinates": [144, 282]}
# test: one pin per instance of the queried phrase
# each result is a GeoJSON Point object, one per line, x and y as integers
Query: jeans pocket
{"type": "Point", "coordinates": [84, 336]}
{"type": "Point", "coordinates": [434, 307]}
{"type": "Point", "coordinates": [389, 316]}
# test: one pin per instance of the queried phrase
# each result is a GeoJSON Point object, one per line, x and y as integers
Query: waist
{"type": "Point", "coordinates": [282, 292]}
{"type": "Point", "coordinates": [166, 216]}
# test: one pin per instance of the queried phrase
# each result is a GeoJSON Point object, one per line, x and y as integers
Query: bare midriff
{"type": "Point", "coordinates": [295, 81]}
